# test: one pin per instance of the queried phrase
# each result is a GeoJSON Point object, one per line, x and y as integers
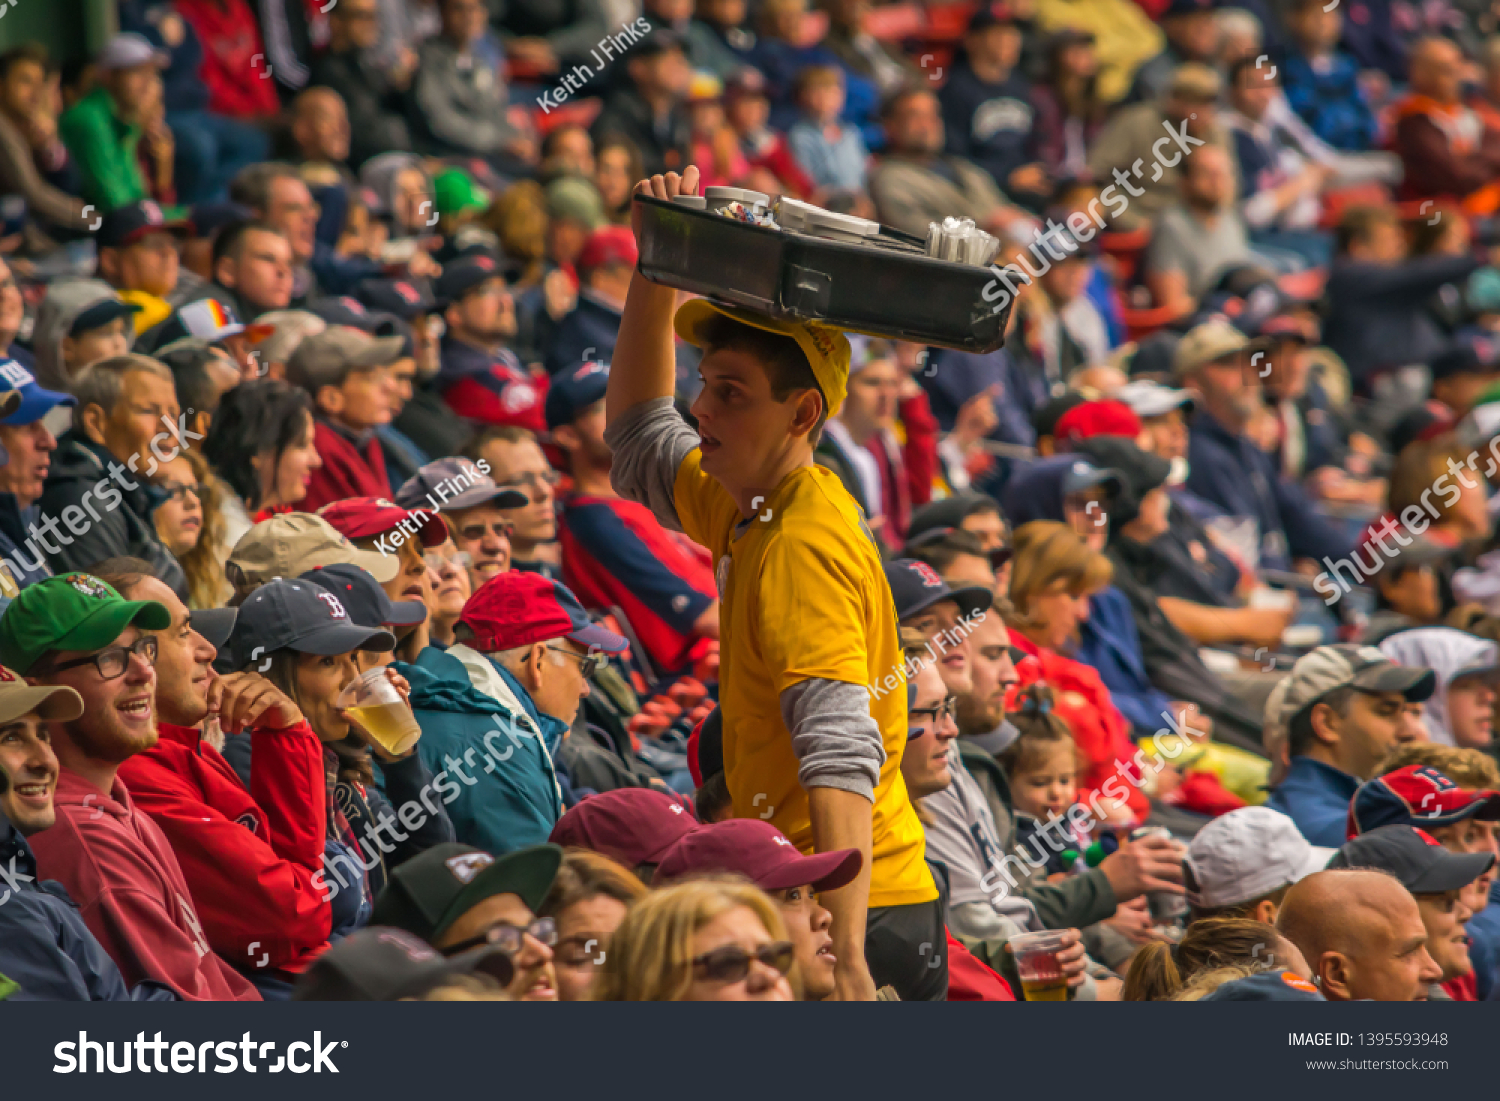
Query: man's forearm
{"type": "Point", "coordinates": [842, 820]}
{"type": "Point", "coordinates": [644, 365]}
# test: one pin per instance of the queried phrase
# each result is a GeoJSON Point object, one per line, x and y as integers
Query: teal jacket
{"type": "Point", "coordinates": [491, 758]}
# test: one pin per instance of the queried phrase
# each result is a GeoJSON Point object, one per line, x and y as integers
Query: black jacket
{"type": "Point", "coordinates": [110, 509]}
{"type": "Point", "coordinates": [665, 147]}
{"type": "Point", "coordinates": [377, 111]}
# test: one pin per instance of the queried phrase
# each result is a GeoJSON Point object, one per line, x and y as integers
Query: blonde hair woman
{"type": "Point", "coordinates": [1053, 574]}
{"type": "Point", "coordinates": [718, 939]}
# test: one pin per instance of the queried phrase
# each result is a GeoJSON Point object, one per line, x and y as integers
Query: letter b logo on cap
{"type": "Point", "coordinates": [335, 608]}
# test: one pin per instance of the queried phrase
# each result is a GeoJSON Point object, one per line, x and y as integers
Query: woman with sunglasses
{"type": "Point", "coordinates": [300, 637]}
{"type": "Point", "coordinates": [706, 940]}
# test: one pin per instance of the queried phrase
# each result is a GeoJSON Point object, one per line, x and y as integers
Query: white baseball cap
{"type": "Point", "coordinates": [1152, 399]}
{"type": "Point", "coordinates": [1248, 853]}
{"type": "Point", "coordinates": [130, 51]}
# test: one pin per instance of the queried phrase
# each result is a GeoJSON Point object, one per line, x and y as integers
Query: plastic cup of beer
{"type": "Point", "coordinates": [372, 701]}
{"type": "Point", "coordinates": [1042, 978]}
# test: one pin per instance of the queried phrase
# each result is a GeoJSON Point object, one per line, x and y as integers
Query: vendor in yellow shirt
{"type": "Point", "coordinates": [807, 621]}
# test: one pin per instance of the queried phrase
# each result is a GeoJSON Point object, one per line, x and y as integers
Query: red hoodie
{"type": "Point", "coordinates": [248, 856]}
{"type": "Point", "coordinates": [231, 43]}
{"type": "Point", "coordinates": [347, 471]}
{"type": "Point", "coordinates": [119, 869]}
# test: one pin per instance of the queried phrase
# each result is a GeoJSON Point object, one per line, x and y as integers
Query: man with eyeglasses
{"type": "Point", "coordinates": [458, 898]}
{"type": "Point", "coordinates": [615, 553]}
{"type": "Point", "coordinates": [516, 461]}
{"type": "Point", "coordinates": [75, 631]}
{"type": "Point", "coordinates": [473, 504]}
{"type": "Point", "coordinates": [497, 705]}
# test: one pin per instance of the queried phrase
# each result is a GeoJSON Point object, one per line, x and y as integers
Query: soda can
{"type": "Point", "coordinates": [1166, 908]}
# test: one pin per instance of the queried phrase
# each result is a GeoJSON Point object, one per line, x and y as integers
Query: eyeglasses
{"type": "Point", "coordinates": [478, 530]}
{"type": "Point", "coordinates": [945, 710]}
{"type": "Point", "coordinates": [176, 491]}
{"type": "Point", "coordinates": [508, 938]}
{"type": "Point", "coordinates": [113, 662]}
{"type": "Point", "coordinates": [588, 664]}
{"type": "Point", "coordinates": [533, 479]}
{"type": "Point", "coordinates": [441, 563]}
{"type": "Point", "coordinates": [732, 963]}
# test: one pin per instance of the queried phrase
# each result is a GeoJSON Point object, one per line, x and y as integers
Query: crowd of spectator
{"type": "Point", "coordinates": [403, 597]}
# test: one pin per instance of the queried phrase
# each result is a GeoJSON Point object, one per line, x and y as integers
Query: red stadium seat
{"type": "Point", "coordinates": [893, 22]}
{"type": "Point", "coordinates": [1142, 323]}
{"type": "Point", "coordinates": [577, 112]}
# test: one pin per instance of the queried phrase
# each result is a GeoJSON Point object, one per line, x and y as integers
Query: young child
{"type": "Point", "coordinates": [749, 111]}
{"type": "Point", "coordinates": [833, 154]}
{"type": "Point", "coordinates": [1321, 81]}
{"type": "Point", "coordinates": [716, 147]}
{"type": "Point", "coordinates": [1042, 765]}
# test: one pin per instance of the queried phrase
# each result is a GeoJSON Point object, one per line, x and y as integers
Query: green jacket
{"type": "Point", "coordinates": [104, 146]}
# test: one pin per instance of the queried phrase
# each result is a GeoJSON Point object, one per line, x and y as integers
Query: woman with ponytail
{"type": "Point", "coordinates": [1159, 971]}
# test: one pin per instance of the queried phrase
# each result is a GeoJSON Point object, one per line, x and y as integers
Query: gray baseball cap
{"type": "Point", "coordinates": [326, 358]}
{"type": "Point", "coordinates": [1328, 668]}
{"type": "Point", "coordinates": [454, 484]}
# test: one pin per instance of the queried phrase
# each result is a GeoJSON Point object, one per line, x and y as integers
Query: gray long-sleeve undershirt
{"type": "Point", "coordinates": [835, 739]}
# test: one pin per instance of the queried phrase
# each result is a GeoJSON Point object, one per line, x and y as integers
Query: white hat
{"type": "Point", "coordinates": [1152, 399]}
{"type": "Point", "coordinates": [1248, 853]}
{"type": "Point", "coordinates": [129, 51]}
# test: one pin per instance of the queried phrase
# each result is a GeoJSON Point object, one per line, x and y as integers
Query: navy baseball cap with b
{"type": "Point", "coordinates": [574, 390]}
{"type": "Point", "coordinates": [462, 276]}
{"type": "Point", "coordinates": [1268, 986]}
{"type": "Point", "coordinates": [364, 598]}
{"type": "Point", "coordinates": [300, 616]}
{"type": "Point", "coordinates": [407, 299]}
{"type": "Point", "coordinates": [32, 401]}
{"type": "Point", "coordinates": [1417, 795]}
{"type": "Point", "coordinates": [516, 609]}
{"type": "Point", "coordinates": [916, 586]}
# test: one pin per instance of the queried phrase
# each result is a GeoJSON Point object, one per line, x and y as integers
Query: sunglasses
{"type": "Point", "coordinates": [508, 938]}
{"type": "Point", "coordinates": [532, 480]}
{"type": "Point", "coordinates": [945, 710]}
{"type": "Point", "coordinates": [732, 963]}
{"type": "Point", "coordinates": [113, 662]}
{"type": "Point", "coordinates": [588, 664]}
{"type": "Point", "coordinates": [440, 563]}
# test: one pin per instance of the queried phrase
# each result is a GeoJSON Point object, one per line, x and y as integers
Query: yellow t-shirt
{"type": "Point", "coordinates": [803, 595]}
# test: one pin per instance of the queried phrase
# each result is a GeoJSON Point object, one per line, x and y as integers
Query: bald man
{"type": "Point", "coordinates": [320, 126]}
{"type": "Point", "coordinates": [1362, 935]}
{"type": "Point", "coordinates": [1432, 136]}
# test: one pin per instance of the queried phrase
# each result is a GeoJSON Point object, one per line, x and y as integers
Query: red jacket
{"type": "Point", "coordinates": [231, 42]}
{"type": "Point", "coordinates": [119, 869]}
{"type": "Point", "coordinates": [920, 450]}
{"type": "Point", "coordinates": [971, 980]}
{"type": "Point", "coordinates": [1100, 732]}
{"type": "Point", "coordinates": [347, 471]}
{"type": "Point", "coordinates": [248, 856]}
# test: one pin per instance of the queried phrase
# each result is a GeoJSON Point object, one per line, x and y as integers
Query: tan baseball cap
{"type": "Point", "coordinates": [1212, 340]}
{"type": "Point", "coordinates": [54, 704]}
{"type": "Point", "coordinates": [295, 542]}
{"type": "Point", "coordinates": [288, 329]}
{"type": "Point", "coordinates": [1321, 671]}
{"type": "Point", "coordinates": [1194, 80]}
{"type": "Point", "coordinates": [324, 359]}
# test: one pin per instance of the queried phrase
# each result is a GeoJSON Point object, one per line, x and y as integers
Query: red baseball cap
{"type": "Point", "coordinates": [609, 245]}
{"type": "Point", "coordinates": [516, 609]}
{"type": "Point", "coordinates": [1097, 418]}
{"type": "Point", "coordinates": [1417, 795]}
{"type": "Point", "coordinates": [631, 825]}
{"type": "Point", "coordinates": [761, 853]}
{"type": "Point", "coordinates": [368, 517]}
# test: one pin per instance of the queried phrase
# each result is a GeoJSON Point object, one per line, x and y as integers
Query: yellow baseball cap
{"type": "Point", "coordinates": [827, 349]}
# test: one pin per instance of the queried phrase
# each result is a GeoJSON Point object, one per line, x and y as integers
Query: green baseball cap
{"type": "Point", "coordinates": [76, 611]}
{"type": "Point", "coordinates": [455, 192]}
{"type": "Point", "coordinates": [431, 891]}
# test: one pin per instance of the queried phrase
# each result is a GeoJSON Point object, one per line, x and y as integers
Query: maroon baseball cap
{"type": "Point", "coordinates": [761, 853]}
{"type": "Point", "coordinates": [368, 517]}
{"type": "Point", "coordinates": [631, 825]}
{"type": "Point", "coordinates": [516, 609]}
